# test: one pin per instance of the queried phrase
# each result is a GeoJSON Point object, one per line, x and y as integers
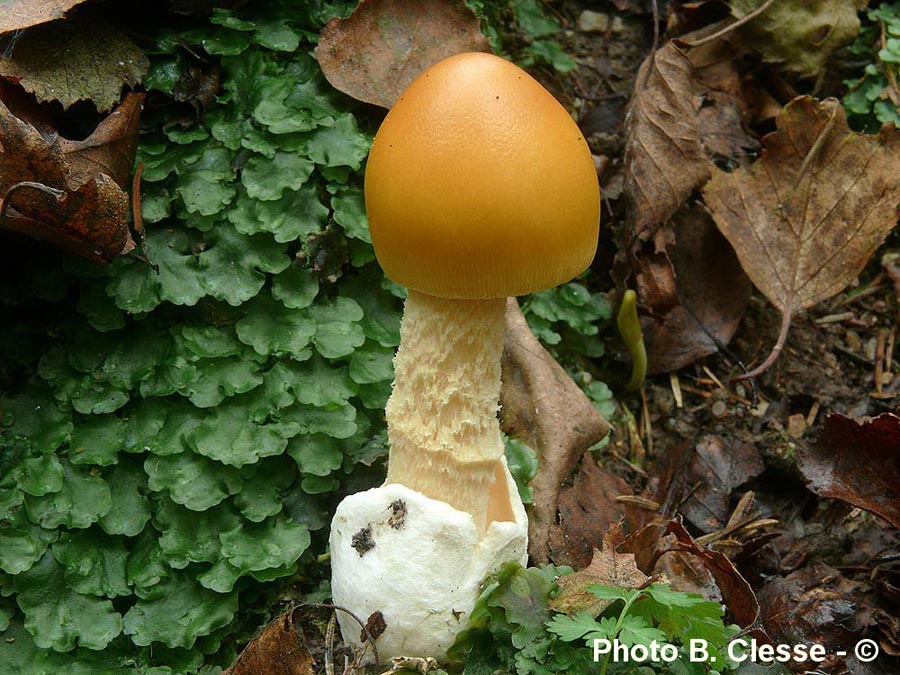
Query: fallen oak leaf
{"type": "Point", "coordinates": [379, 49]}
{"type": "Point", "coordinates": [806, 216]}
{"type": "Point", "coordinates": [542, 407]}
{"type": "Point", "coordinates": [857, 461]}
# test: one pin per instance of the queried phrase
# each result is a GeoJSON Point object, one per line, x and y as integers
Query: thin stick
{"type": "Point", "coordinates": [648, 425]}
{"type": "Point", "coordinates": [776, 350]}
{"type": "Point", "coordinates": [715, 379]}
{"type": "Point", "coordinates": [813, 412]}
{"type": "Point", "coordinates": [889, 350]}
{"type": "Point", "coordinates": [879, 361]}
{"type": "Point", "coordinates": [676, 389]}
{"type": "Point", "coordinates": [136, 200]}
{"type": "Point", "coordinates": [329, 648]}
{"type": "Point", "coordinates": [699, 392]}
{"type": "Point", "coordinates": [730, 27]}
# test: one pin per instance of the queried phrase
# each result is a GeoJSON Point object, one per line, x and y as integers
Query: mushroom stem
{"type": "Point", "coordinates": [442, 415]}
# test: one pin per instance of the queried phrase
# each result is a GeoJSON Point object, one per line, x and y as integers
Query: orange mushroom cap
{"type": "Point", "coordinates": [480, 185]}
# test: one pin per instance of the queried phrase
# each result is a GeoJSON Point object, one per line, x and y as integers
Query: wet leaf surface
{"type": "Point", "coordinates": [815, 605]}
{"type": "Point", "coordinates": [84, 58]}
{"type": "Point", "coordinates": [857, 461]}
{"type": "Point", "coordinates": [542, 407]}
{"type": "Point", "coordinates": [376, 52]}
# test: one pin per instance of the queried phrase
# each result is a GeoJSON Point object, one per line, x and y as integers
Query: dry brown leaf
{"type": "Point", "coordinates": [694, 290]}
{"type": "Point", "coordinates": [542, 407]}
{"type": "Point", "coordinates": [857, 461]}
{"type": "Point", "coordinates": [379, 49]}
{"type": "Point", "coordinates": [807, 215]}
{"type": "Point", "coordinates": [19, 14]}
{"type": "Point", "coordinates": [279, 650]}
{"type": "Point", "coordinates": [587, 509]}
{"type": "Point", "coordinates": [719, 465]}
{"type": "Point", "coordinates": [84, 58]}
{"type": "Point", "coordinates": [666, 548]}
{"type": "Point", "coordinates": [608, 568]}
{"type": "Point", "coordinates": [111, 147]}
{"type": "Point", "coordinates": [722, 118]}
{"type": "Point", "coordinates": [816, 605]}
{"type": "Point", "coordinates": [664, 159]}
{"type": "Point", "coordinates": [89, 217]}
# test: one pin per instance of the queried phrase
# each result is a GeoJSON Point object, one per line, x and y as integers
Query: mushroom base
{"type": "Point", "coordinates": [418, 561]}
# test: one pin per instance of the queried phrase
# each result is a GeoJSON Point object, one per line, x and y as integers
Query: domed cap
{"type": "Point", "coordinates": [480, 185]}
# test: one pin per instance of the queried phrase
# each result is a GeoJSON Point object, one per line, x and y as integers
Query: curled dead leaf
{"type": "Point", "coordinates": [545, 409]}
{"type": "Point", "coordinates": [280, 649]}
{"type": "Point", "coordinates": [799, 34]}
{"type": "Point", "coordinates": [806, 216]}
{"type": "Point", "coordinates": [693, 289]}
{"type": "Point", "coordinates": [857, 461]}
{"type": "Point", "coordinates": [379, 49]}
{"type": "Point", "coordinates": [666, 547]}
{"type": "Point", "coordinates": [664, 158]}
{"type": "Point", "coordinates": [82, 208]}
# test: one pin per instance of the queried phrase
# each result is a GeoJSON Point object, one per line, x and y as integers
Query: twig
{"type": "Point", "coordinates": [879, 361]}
{"type": "Point", "coordinates": [889, 350]}
{"type": "Point", "coordinates": [329, 646]}
{"type": "Point", "coordinates": [648, 424]}
{"type": "Point", "coordinates": [676, 389]}
{"type": "Point", "coordinates": [713, 377]}
{"type": "Point", "coordinates": [730, 27]}
{"type": "Point", "coordinates": [136, 213]}
{"type": "Point", "coordinates": [813, 412]}
{"type": "Point", "coordinates": [699, 392]}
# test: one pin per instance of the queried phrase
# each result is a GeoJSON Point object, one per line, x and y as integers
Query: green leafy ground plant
{"type": "Point", "coordinates": [512, 629]}
{"type": "Point", "coordinates": [873, 98]}
{"type": "Point", "coordinates": [178, 426]}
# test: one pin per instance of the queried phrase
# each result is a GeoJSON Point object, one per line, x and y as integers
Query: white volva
{"type": "Point", "coordinates": [418, 561]}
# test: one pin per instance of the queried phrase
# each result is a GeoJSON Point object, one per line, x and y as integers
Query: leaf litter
{"type": "Point", "coordinates": [808, 214]}
{"type": "Point", "coordinates": [78, 202]}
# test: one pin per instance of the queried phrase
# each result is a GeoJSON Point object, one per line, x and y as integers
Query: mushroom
{"type": "Point", "coordinates": [478, 186]}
